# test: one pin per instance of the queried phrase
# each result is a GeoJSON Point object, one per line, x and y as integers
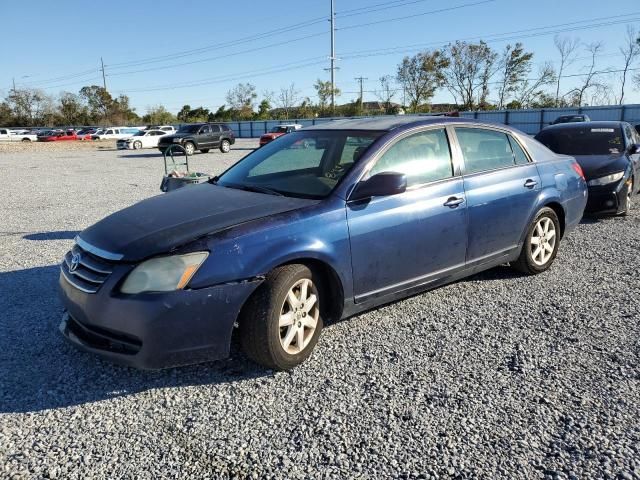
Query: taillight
{"type": "Point", "coordinates": [576, 166]}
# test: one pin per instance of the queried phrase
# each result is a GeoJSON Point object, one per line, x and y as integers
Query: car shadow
{"type": "Point", "coordinates": [58, 235]}
{"type": "Point", "coordinates": [41, 371]}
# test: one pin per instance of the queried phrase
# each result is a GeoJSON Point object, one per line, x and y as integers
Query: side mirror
{"type": "Point", "coordinates": [381, 185]}
{"type": "Point", "coordinates": [634, 148]}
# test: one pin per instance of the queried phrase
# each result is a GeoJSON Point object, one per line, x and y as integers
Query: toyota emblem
{"type": "Point", "coordinates": [75, 261]}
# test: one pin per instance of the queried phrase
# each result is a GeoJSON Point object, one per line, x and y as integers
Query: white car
{"type": "Point", "coordinates": [165, 128]}
{"type": "Point", "coordinates": [142, 139]}
{"type": "Point", "coordinates": [115, 133]}
{"type": "Point", "coordinates": [7, 135]}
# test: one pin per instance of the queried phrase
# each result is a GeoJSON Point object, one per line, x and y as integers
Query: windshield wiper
{"type": "Point", "coordinates": [253, 188]}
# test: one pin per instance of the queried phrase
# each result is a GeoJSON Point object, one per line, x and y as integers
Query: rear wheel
{"type": "Point", "coordinates": [225, 146]}
{"type": "Point", "coordinates": [190, 148]}
{"type": "Point", "coordinates": [541, 243]}
{"type": "Point", "coordinates": [25, 140]}
{"type": "Point", "coordinates": [281, 322]}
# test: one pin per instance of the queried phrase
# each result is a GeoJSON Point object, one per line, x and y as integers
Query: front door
{"type": "Point", "coordinates": [501, 185]}
{"type": "Point", "coordinates": [413, 238]}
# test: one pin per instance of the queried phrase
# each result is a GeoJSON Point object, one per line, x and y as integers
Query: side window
{"type": "Point", "coordinates": [205, 129]}
{"type": "Point", "coordinates": [215, 128]}
{"type": "Point", "coordinates": [484, 150]}
{"type": "Point", "coordinates": [109, 132]}
{"type": "Point", "coordinates": [423, 157]}
{"type": "Point", "coordinates": [518, 153]}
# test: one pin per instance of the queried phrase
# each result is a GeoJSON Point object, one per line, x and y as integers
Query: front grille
{"type": "Point", "coordinates": [90, 273]}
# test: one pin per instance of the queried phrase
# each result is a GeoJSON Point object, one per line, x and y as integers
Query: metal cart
{"type": "Point", "coordinates": [172, 182]}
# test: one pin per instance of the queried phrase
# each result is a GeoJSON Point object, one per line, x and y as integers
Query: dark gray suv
{"type": "Point", "coordinates": [200, 136]}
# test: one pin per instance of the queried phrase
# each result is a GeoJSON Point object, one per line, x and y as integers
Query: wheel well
{"type": "Point", "coordinates": [556, 207]}
{"type": "Point", "coordinates": [332, 283]}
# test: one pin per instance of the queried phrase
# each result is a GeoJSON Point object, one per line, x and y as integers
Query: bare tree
{"type": "Point", "coordinates": [287, 99]}
{"type": "Point", "coordinates": [421, 75]}
{"type": "Point", "coordinates": [530, 90]}
{"type": "Point", "coordinates": [386, 92]}
{"type": "Point", "coordinates": [515, 66]}
{"type": "Point", "coordinates": [589, 77]}
{"type": "Point", "coordinates": [470, 66]}
{"type": "Point", "coordinates": [630, 51]}
{"type": "Point", "coordinates": [242, 98]}
{"type": "Point", "coordinates": [567, 49]}
{"type": "Point", "coordinates": [30, 106]}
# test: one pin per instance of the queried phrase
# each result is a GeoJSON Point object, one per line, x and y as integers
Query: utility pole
{"type": "Point", "coordinates": [104, 78]}
{"type": "Point", "coordinates": [333, 58]}
{"type": "Point", "coordinates": [14, 84]}
{"type": "Point", "coordinates": [361, 80]}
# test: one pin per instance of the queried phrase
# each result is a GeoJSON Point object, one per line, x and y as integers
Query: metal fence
{"type": "Point", "coordinates": [529, 121]}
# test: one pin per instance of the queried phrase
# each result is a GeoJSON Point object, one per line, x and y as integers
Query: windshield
{"type": "Point", "coordinates": [141, 133]}
{"type": "Point", "coordinates": [587, 140]}
{"type": "Point", "coordinates": [305, 164]}
{"type": "Point", "coordinates": [279, 130]}
{"type": "Point", "coordinates": [189, 129]}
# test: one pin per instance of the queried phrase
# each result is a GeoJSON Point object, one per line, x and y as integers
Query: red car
{"type": "Point", "coordinates": [278, 132]}
{"type": "Point", "coordinates": [56, 136]}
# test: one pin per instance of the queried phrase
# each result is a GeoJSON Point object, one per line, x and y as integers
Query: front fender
{"type": "Point", "coordinates": [253, 249]}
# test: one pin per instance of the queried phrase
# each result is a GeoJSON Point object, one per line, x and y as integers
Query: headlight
{"type": "Point", "coordinates": [176, 140]}
{"type": "Point", "coordinates": [163, 274]}
{"type": "Point", "coordinates": [614, 177]}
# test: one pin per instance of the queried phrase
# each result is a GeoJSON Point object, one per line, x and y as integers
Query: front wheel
{"type": "Point", "coordinates": [281, 322]}
{"type": "Point", "coordinates": [190, 148]}
{"type": "Point", "coordinates": [137, 145]}
{"type": "Point", "coordinates": [225, 146]}
{"type": "Point", "coordinates": [628, 198]}
{"type": "Point", "coordinates": [541, 243]}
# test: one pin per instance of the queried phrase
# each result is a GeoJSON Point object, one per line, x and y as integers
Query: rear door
{"type": "Point", "coordinates": [415, 237]}
{"type": "Point", "coordinates": [631, 138]}
{"type": "Point", "coordinates": [501, 186]}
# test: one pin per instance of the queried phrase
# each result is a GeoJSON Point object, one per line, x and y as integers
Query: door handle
{"type": "Point", "coordinates": [453, 202]}
{"type": "Point", "coordinates": [530, 183]}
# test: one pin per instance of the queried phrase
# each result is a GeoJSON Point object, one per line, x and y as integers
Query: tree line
{"type": "Point", "coordinates": [476, 75]}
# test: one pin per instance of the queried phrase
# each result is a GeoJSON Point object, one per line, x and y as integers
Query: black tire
{"type": "Point", "coordinates": [225, 146]}
{"type": "Point", "coordinates": [190, 148]}
{"type": "Point", "coordinates": [204, 150]}
{"type": "Point", "coordinates": [628, 198]}
{"type": "Point", "coordinates": [26, 140]}
{"type": "Point", "coordinates": [137, 145]}
{"type": "Point", "coordinates": [525, 262]}
{"type": "Point", "coordinates": [260, 331]}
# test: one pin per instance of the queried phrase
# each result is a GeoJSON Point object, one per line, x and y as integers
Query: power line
{"type": "Point", "coordinates": [415, 15]}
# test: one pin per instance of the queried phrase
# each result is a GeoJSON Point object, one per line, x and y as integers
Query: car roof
{"type": "Point", "coordinates": [576, 125]}
{"type": "Point", "coordinates": [387, 123]}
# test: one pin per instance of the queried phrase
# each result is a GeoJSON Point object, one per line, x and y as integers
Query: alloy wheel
{"type": "Point", "coordinates": [543, 241]}
{"type": "Point", "coordinates": [190, 148]}
{"type": "Point", "coordinates": [299, 316]}
{"type": "Point", "coordinates": [226, 146]}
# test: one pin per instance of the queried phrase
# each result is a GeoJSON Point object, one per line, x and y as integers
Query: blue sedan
{"type": "Point", "coordinates": [318, 225]}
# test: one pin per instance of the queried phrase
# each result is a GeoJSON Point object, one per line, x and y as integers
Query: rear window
{"type": "Point", "coordinates": [587, 140]}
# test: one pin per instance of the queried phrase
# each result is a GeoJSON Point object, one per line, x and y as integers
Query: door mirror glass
{"type": "Point", "coordinates": [380, 185]}
{"type": "Point", "coordinates": [634, 148]}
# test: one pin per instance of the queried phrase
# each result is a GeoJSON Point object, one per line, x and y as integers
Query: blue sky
{"type": "Point", "coordinates": [58, 47]}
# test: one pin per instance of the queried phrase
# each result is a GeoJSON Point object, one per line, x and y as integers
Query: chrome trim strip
{"type": "Point", "coordinates": [98, 252]}
{"type": "Point", "coordinates": [75, 285]}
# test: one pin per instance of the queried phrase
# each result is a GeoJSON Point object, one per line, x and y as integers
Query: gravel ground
{"type": "Point", "coordinates": [497, 376]}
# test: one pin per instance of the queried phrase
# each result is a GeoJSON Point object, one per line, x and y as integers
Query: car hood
{"type": "Point", "coordinates": [595, 166]}
{"type": "Point", "coordinates": [162, 223]}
